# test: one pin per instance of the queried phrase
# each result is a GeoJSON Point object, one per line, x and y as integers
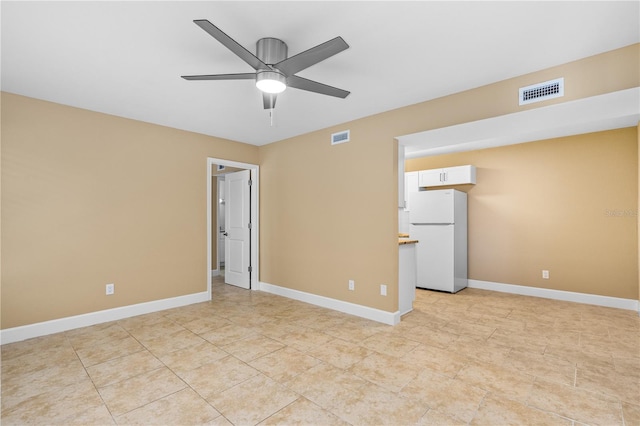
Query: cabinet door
{"type": "Point", "coordinates": [406, 277]}
{"type": "Point", "coordinates": [430, 177]}
{"type": "Point", "coordinates": [459, 175]}
{"type": "Point", "coordinates": [410, 185]}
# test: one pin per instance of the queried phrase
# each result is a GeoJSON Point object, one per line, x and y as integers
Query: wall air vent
{"type": "Point", "coordinates": [340, 137]}
{"type": "Point", "coordinates": [541, 91]}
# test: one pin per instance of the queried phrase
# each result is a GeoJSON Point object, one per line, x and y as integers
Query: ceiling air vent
{"type": "Point", "coordinates": [541, 91]}
{"type": "Point", "coordinates": [340, 137]}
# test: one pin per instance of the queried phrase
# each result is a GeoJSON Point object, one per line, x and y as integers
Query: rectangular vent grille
{"type": "Point", "coordinates": [340, 137]}
{"type": "Point", "coordinates": [541, 91]}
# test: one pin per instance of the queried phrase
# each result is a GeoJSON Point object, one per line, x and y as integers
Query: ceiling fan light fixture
{"type": "Point", "coordinates": [271, 82]}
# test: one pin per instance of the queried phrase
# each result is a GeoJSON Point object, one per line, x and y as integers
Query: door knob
{"type": "Point", "coordinates": [225, 234]}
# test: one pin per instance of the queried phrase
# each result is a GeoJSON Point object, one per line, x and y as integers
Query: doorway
{"type": "Point", "coordinates": [221, 167]}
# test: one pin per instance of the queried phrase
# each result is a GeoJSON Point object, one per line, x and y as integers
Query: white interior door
{"type": "Point", "coordinates": [237, 253]}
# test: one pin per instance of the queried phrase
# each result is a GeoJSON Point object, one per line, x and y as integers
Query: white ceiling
{"type": "Point", "coordinates": [126, 58]}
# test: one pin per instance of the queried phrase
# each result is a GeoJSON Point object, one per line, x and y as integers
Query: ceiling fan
{"type": "Point", "coordinates": [274, 71]}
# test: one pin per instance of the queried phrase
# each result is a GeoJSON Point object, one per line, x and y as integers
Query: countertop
{"type": "Point", "coordinates": [404, 239]}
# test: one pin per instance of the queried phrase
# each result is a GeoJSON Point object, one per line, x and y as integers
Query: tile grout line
{"type": "Point", "coordinates": [291, 316]}
{"type": "Point", "coordinates": [104, 403]}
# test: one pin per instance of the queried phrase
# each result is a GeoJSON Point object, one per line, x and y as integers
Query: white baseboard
{"type": "Point", "coordinates": [215, 272]}
{"type": "Point", "coordinates": [568, 296]}
{"type": "Point", "coordinates": [391, 318]}
{"type": "Point", "coordinates": [24, 332]}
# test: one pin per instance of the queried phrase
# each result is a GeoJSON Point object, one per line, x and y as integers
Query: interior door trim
{"type": "Point", "coordinates": [255, 218]}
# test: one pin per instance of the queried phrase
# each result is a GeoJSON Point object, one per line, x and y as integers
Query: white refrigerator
{"type": "Point", "coordinates": [438, 220]}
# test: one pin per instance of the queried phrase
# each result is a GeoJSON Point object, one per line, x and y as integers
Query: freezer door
{"type": "Point", "coordinates": [431, 206]}
{"type": "Point", "coordinates": [434, 256]}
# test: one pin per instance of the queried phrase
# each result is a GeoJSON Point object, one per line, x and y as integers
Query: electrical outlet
{"type": "Point", "coordinates": [383, 290]}
{"type": "Point", "coordinates": [545, 274]}
{"type": "Point", "coordinates": [352, 285]}
{"type": "Point", "coordinates": [110, 289]}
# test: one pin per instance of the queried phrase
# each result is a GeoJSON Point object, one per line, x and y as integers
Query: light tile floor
{"type": "Point", "coordinates": [245, 358]}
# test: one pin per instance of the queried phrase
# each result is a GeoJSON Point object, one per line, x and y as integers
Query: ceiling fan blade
{"type": "Point", "coordinates": [243, 76]}
{"type": "Point", "coordinates": [269, 100]}
{"type": "Point", "coordinates": [314, 86]}
{"type": "Point", "coordinates": [312, 56]}
{"type": "Point", "coordinates": [231, 44]}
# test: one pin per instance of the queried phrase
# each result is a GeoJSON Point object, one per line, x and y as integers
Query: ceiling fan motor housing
{"type": "Point", "coordinates": [271, 50]}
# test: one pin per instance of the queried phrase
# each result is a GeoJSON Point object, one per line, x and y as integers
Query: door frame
{"type": "Point", "coordinates": [255, 218]}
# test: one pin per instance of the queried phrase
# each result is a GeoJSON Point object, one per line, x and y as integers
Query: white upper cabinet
{"type": "Point", "coordinates": [430, 177]}
{"type": "Point", "coordinates": [410, 185]}
{"type": "Point", "coordinates": [459, 175]}
{"type": "Point", "coordinates": [448, 176]}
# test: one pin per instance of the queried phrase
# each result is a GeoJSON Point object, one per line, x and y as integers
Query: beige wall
{"type": "Point", "coordinates": [329, 214]}
{"type": "Point", "coordinates": [609, 72]}
{"type": "Point", "coordinates": [566, 205]}
{"type": "Point", "coordinates": [90, 199]}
